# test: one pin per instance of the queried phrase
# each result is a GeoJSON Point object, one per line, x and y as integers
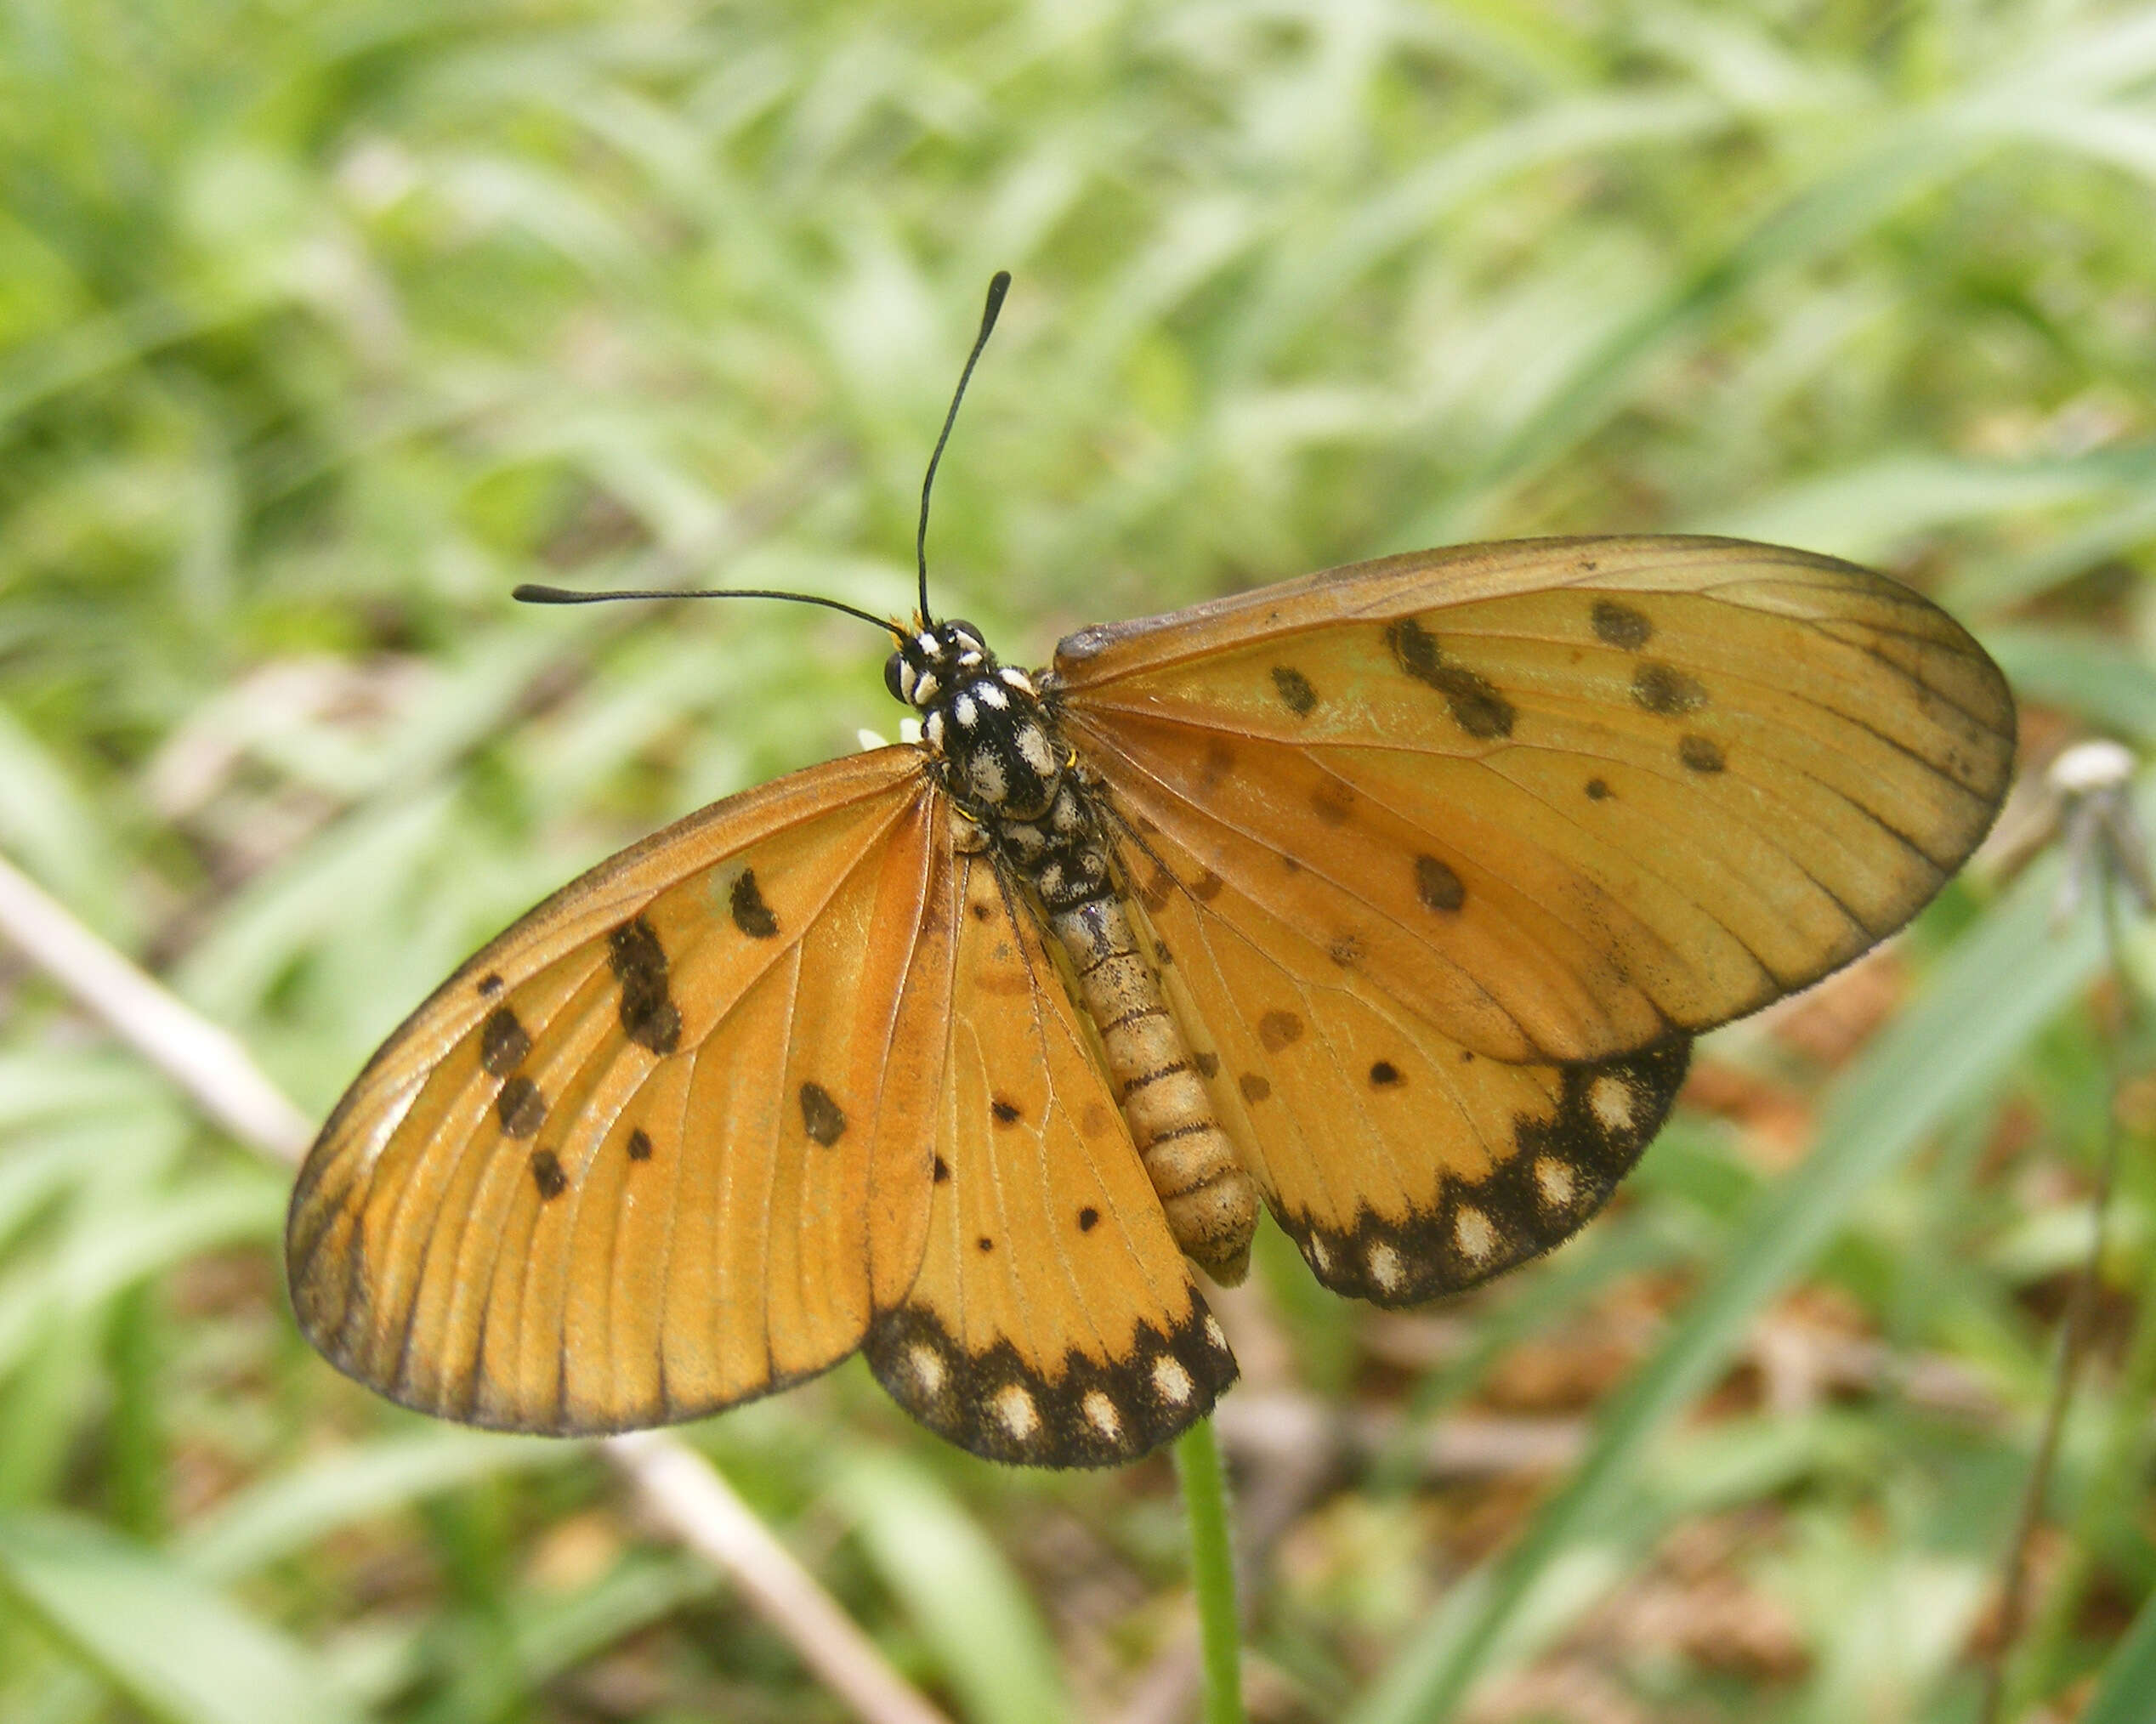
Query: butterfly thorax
{"type": "Point", "coordinates": [996, 750]}
{"type": "Point", "coordinates": [999, 756]}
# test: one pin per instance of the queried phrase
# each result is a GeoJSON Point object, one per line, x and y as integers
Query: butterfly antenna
{"type": "Point", "coordinates": [530, 593]}
{"type": "Point", "coordinates": [999, 285]}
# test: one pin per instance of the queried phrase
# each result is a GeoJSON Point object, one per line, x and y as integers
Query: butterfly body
{"type": "Point", "coordinates": [1393, 896]}
{"type": "Point", "coordinates": [999, 751]}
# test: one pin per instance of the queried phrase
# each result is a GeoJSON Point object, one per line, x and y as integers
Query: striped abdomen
{"type": "Point", "coordinates": [1211, 1202]}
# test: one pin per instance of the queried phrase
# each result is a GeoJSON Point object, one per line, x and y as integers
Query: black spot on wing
{"type": "Point", "coordinates": [1074, 1411]}
{"type": "Point", "coordinates": [1277, 1030]}
{"type": "Point", "coordinates": [1560, 1171]}
{"type": "Point", "coordinates": [1477, 707]}
{"type": "Point", "coordinates": [1598, 789]}
{"type": "Point", "coordinates": [1088, 1219]}
{"type": "Point", "coordinates": [1333, 802]}
{"type": "Point", "coordinates": [648, 1016]}
{"type": "Point", "coordinates": [1254, 1087]}
{"type": "Point", "coordinates": [1666, 691]}
{"type": "Point", "coordinates": [502, 1043]}
{"type": "Point", "coordinates": [1006, 1112]}
{"type": "Point", "coordinates": [752, 915]}
{"type": "Point", "coordinates": [1157, 889]}
{"type": "Point", "coordinates": [1620, 625]}
{"type": "Point", "coordinates": [639, 1144]}
{"type": "Point", "coordinates": [1384, 1076]}
{"type": "Point", "coordinates": [547, 1175]}
{"type": "Point", "coordinates": [490, 985]}
{"type": "Point", "coordinates": [1437, 886]}
{"type": "Point", "coordinates": [1700, 754]}
{"type": "Point", "coordinates": [821, 1117]}
{"type": "Point", "coordinates": [520, 1108]}
{"type": "Point", "coordinates": [1294, 690]}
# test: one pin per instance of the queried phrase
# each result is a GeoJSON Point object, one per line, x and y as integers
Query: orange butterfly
{"type": "Point", "coordinates": [1392, 897]}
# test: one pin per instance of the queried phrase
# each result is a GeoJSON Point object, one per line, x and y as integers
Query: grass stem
{"type": "Point", "coordinates": [1212, 1571]}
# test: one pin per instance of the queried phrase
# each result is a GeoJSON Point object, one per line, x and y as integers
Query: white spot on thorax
{"type": "Point", "coordinates": [963, 710]}
{"type": "Point", "coordinates": [1473, 1233]}
{"type": "Point", "coordinates": [990, 696]}
{"type": "Point", "coordinates": [1015, 1411]}
{"type": "Point", "coordinates": [1611, 1098]}
{"type": "Point", "coordinates": [1555, 1182]}
{"type": "Point", "coordinates": [1385, 1266]}
{"type": "Point", "coordinates": [924, 687]}
{"type": "Point", "coordinates": [928, 1368]}
{"type": "Point", "coordinates": [929, 645]}
{"type": "Point", "coordinates": [1033, 750]}
{"type": "Point", "coordinates": [907, 675]}
{"type": "Point", "coordinates": [1015, 679]}
{"type": "Point", "coordinates": [932, 727]}
{"type": "Point", "coordinates": [986, 773]}
{"type": "Point", "coordinates": [1101, 1413]}
{"type": "Point", "coordinates": [1172, 1381]}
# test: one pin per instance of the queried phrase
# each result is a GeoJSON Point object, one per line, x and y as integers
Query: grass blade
{"type": "Point", "coordinates": [175, 1647]}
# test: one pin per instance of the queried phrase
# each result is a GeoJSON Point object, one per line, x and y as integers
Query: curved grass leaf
{"type": "Point", "coordinates": [958, 1587]}
{"type": "Point", "coordinates": [173, 1645]}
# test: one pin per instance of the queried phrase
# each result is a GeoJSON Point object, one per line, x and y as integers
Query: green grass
{"type": "Point", "coordinates": [321, 326]}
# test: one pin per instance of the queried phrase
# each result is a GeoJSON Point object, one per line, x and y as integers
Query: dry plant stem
{"type": "Point", "coordinates": [209, 1065]}
{"type": "Point", "coordinates": [684, 1491]}
{"type": "Point", "coordinates": [679, 1488]}
{"type": "Point", "coordinates": [2073, 1325]}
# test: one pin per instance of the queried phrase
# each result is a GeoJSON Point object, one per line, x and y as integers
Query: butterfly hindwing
{"type": "Point", "coordinates": [1053, 1322]}
{"type": "Point", "coordinates": [1405, 1165]}
{"type": "Point", "coordinates": [665, 1144]}
{"type": "Point", "coordinates": [1568, 797]}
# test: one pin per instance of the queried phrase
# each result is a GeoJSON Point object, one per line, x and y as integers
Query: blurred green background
{"type": "Point", "coordinates": [323, 325]}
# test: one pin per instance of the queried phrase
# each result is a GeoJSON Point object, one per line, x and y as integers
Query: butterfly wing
{"type": "Point", "coordinates": [1562, 799]}
{"type": "Point", "coordinates": [1054, 1322]}
{"type": "Point", "coordinates": [1403, 1165]}
{"type": "Point", "coordinates": [666, 1144]}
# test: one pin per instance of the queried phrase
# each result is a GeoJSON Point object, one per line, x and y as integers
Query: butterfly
{"type": "Point", "coordinates": [1388, 899]}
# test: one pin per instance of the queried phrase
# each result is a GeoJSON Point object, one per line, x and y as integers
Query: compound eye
{"type": "Point", "coordinates": [892, 680]}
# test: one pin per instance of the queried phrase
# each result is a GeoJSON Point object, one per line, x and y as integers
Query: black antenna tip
{"type": "Point", "coordinates": [531, 593]}
{"type": "Point", "coordinates": [999, 284]}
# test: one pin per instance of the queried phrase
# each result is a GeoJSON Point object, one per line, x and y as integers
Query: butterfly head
{"type": "Point", "coordinates": [984, 719]}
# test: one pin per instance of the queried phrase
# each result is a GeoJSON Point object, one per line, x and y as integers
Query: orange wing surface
{"type": "Point", "coordinates": [666, 1144]}
{"type": "Point", "coordinates": [1054, 1322]}
{"type": "Point", "coordinates": [1561, 799]}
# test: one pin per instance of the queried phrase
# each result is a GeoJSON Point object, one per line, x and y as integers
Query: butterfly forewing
{"type": "Point", "coordinates": [1566, 797]}
{"type": "Point", "coordinates": [1053, 1322]}
{"type": "Point", "coordinates": [664, 1145]}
